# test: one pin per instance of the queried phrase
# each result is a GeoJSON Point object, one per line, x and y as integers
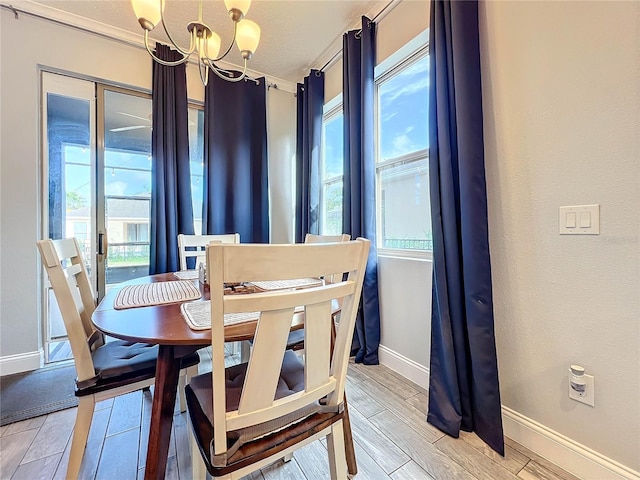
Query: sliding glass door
{"type": "Point", "coordinates": [96, 180]}
{"type": "Point", "coordinates": [96, 183]}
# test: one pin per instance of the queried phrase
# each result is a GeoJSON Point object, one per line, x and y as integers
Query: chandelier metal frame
{"type": "Point", "coordinates": [200, 35]}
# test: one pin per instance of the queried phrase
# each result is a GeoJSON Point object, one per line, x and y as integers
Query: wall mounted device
{"type": "Point", "coordinates": [581, 385]}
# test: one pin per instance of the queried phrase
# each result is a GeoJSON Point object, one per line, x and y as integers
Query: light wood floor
{"type": "Point", "coordinates": [392, 441]}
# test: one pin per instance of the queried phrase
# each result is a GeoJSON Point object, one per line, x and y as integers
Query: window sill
{"type": "Point", "coordinates": [420, 255]}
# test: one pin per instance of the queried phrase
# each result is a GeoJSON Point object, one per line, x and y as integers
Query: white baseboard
{"type": "Point", "coordinates": [22, 362]}
{"type": "Point", "coordinates": [404, 366]}
{"type": "Point", "coordinates": [564, 452]}
{"type": "Point", "coordinates": [555, 447]}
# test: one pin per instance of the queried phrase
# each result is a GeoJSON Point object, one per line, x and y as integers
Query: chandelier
{"type": "Point", "coordinates": [204, 41]}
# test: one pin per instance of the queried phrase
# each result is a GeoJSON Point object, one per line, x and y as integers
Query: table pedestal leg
{"type": "Point", "coordinates": [164, 400]}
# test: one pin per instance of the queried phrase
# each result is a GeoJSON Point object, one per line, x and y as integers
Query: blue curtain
{"type": "Point", "coordinates": [359, 212]}
{"type": "Point", "coordinates": [310, 100]}
{"type": "Point", "coordinates": [171, 208]}
{"type": "Point", "coordinates": [463, 382]}
{"type": "Point", "coordinates": [236, 195]}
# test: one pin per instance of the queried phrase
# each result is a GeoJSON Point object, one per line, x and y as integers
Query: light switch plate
{"type": "Point", "coordinates": [588, 220]}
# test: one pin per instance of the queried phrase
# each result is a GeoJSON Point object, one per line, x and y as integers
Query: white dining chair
{"type": "Point", "coordinates": [194, 245]}
{"type": "Point", "coordinates": [104, 369]}
{"type": "Point", "coordinates": [248, 415]}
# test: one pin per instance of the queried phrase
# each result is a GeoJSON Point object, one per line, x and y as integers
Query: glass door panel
{"type": "Point", "coordinates": [69, 185]}
{"type": "Point", "coordinates": [126, 177]}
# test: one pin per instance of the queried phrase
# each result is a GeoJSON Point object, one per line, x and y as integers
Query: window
{"type": "Point", "coordinates": [137, 232]}
{"type": "Point", "coordinates": [402, 178]}
{"type": "Point", "coordinates": [331, 169]}
{"type": "Point", "coordinates": [196, 164]}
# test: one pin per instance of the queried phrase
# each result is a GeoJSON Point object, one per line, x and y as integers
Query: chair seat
{"type": "Point", "coordinates": [120, 362]}
{"type": "Point", "coordinates": [199, 395]}
{"type": "Point", "coordinates": [295, 341]}
{"type": "Point", "coordinates": [291, 381]}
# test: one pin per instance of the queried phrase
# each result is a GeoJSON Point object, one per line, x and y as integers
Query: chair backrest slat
{"type": "Point", "coordinates": [336, 257]}
{"type": "Point", "coordinates": [272, 300]}
{"type": "Point", "coordinates": [197, 244]}
{"type": "Point", "coordinates": [317, 341]}
{"type": "Point", "coordinates": [69, 279]}
{"type": "Point", "coordinates": [265, 362]}
{"type": "Point", "coordinates": [312, 238]}
{"type": "Point", "coordinates": [66, 249]}
{"type": "Point", "coordinates": [324, 373]}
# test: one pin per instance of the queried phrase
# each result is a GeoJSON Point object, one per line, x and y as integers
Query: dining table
{"type": "Point", "coordinates": [165, 326]}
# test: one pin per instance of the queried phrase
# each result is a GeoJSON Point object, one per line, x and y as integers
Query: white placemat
{"type": "Point", "coordinates": [186, 274]}
{"type": "Point", "coordinates": [285, 284]}
{"type": "Point", "coordinates": [198, 315]}
{"type": "Point", "coordinates": [159, 293]}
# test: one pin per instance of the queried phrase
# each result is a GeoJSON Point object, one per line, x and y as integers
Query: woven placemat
{"type": "Point", "coordinates": [198, 315]}
{"type": "Point", "coordinates": [287, 284]}
{"type": "Point", "coordinates": [186, 274]}
{"type": "Point", "coordinates": [159, 293]}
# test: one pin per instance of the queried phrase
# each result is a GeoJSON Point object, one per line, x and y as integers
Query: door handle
{"type": "Point", "coordinates": [102, 244]}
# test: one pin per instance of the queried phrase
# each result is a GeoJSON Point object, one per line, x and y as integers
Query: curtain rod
{"type": "Point", "coordinates": [16, 11]}
{"type": "Point", "coordinates": [380, 15]}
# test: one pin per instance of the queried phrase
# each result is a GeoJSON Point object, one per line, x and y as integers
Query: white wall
{"type": "Point", "coordinates": [405, 307]}
{"type": "Point", "coordinates": [333, 80]}
{"type": "Point", "coordinates": [282, 155]}
{"type": "Point", "coordinates": [403, 23]}
{"type": "Point", "coordinates": [562, 107]}
{"type": "Point", "coordinates": [51, 46]}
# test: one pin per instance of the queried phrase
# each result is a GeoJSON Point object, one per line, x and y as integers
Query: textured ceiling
{"type": "Point", "coordinates": [295, 34]}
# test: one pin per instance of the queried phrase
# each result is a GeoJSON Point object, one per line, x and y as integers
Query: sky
{"type": "Point", "coordinates": [403, 118]}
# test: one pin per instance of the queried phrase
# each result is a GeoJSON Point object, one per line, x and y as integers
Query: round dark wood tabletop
{"type": "Point", "coordinates": [163, 324]}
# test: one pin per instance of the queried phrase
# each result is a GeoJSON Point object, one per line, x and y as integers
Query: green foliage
{"type": "Point", "coordinates": [75, 201]}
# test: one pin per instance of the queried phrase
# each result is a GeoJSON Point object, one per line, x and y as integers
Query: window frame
{"type": "Point", "coordinates": [412, 52]}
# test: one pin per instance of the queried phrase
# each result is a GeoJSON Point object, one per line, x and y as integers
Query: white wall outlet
{"type": "Point", "coordinates": [588, 395]}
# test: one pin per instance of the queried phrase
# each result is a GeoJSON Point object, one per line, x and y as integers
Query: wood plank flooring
{"type": "Point", "coordinates": [392, 441]}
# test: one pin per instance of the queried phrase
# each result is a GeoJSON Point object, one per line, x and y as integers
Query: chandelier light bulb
{"type": "Point", "coordinates": [147, 12]}
{"type": "Point", "coordinates": [237, 8]}
{"type": "Point", "coordinates": [248, 37]}
{"type": "Point", "coordinates": [212, 46]}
